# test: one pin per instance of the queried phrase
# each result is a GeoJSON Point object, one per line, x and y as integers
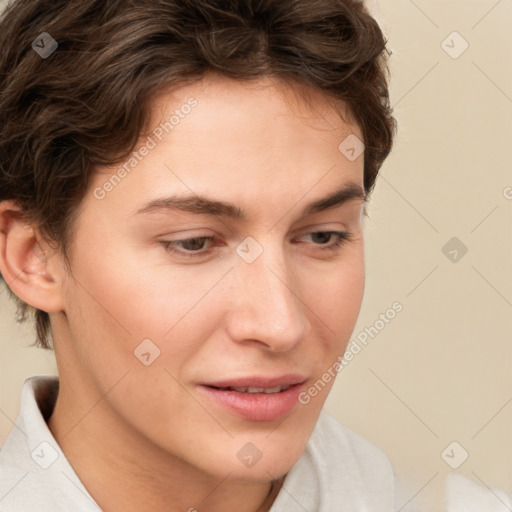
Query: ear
{"type": "Point", "coordinates": [24, 261]}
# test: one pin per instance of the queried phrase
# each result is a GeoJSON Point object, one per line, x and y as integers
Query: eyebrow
{"type": "Point", "coordinates": [203, 205]}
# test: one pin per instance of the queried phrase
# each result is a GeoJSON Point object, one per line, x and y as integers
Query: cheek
{"type": "Point", "coordinates": [144, 297]}
{"type": "Point", "coordinates": [349, 291]}
{"type": "Point", "coordinates": [126, 300]}
{"type": "Point", "coordinates": [336, 297]}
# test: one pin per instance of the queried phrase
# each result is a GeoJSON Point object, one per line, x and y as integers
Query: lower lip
{"type": "Point", "coordinates": [256, 406]}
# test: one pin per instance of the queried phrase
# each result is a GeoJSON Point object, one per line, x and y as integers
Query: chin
{"type": "Point", "coordinates": [264, 459]}
{"type": "Point", "coordinates": [261, 472]}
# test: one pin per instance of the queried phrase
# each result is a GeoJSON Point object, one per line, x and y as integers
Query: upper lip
{"type": "Point", "coordinates": [258, 382]}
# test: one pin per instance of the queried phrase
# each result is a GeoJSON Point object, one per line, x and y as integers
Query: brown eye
{"type": "Point", "coordinates": [193, 246]}
{"type": "Point", "coordinates": [322, 237]}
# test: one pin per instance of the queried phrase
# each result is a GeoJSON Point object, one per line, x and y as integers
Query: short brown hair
{"type": "Point", "coordinates": [87, 104]}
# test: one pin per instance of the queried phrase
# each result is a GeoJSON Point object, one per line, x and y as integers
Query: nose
{"type": "Point", "coordinates": [265, 303]}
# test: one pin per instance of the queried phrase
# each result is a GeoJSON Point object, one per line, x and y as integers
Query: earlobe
{"type": "Point", "coordinates": [24, 261]}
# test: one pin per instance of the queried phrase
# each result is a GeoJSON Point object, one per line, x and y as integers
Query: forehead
{"type": "Point", "coordinates": [266, 98]}
{"type": "Point", "coordinates": [237, 127]}
{"type": "Point", "coordinates": [243, 141]}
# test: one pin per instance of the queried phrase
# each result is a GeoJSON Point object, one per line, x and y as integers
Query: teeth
{"type": "Point", "coordinates": [277, 389]}
{"type": "Point", "coordinates": [273, 390]}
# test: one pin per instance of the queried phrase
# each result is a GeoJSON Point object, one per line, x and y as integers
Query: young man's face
{"type": "Point", "coordinates": [266, 301]}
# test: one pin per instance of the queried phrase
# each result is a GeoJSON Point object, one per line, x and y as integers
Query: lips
{"type": "Point", "coordinates": [256, 398]}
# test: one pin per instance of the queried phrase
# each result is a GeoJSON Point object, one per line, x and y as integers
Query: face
{"type": "Point", "coordinates": [174, 301]}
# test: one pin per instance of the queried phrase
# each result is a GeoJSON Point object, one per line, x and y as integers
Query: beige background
{"type": "Point", "coordinates": [440, 371]}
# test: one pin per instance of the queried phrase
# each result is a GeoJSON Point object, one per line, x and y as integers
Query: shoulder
{"type": "Point", "coordinates": [463, 494]}
{"type": "Point", "coordinates": [35, 475]}
{"type": "Point", "coordinates": [339, 470]}
{"type": "Point", "coordinates": [333, 443]}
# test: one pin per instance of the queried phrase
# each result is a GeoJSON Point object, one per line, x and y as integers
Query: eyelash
{"type": "Point", "coordinates": [341, 238]}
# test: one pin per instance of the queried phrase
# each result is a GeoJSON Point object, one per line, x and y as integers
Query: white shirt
{"type": "Point", "coordinates": [338, 471]}
{"type": "Point", "coordinates": [465, 495]}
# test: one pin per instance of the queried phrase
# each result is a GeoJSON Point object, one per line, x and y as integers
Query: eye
{"type": "Point", "coordinates": [194, 246]}
{"type": "Point", "coordinates": [324, 236]}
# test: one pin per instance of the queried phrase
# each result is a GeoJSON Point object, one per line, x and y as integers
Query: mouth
{"type": "Point", "coordinates": [268, 391]}
{"type": "Point", "coordinates": [256, 398]}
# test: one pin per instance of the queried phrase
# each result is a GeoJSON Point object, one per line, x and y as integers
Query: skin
{"type": "Point", "coordinates": [147, 430]}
